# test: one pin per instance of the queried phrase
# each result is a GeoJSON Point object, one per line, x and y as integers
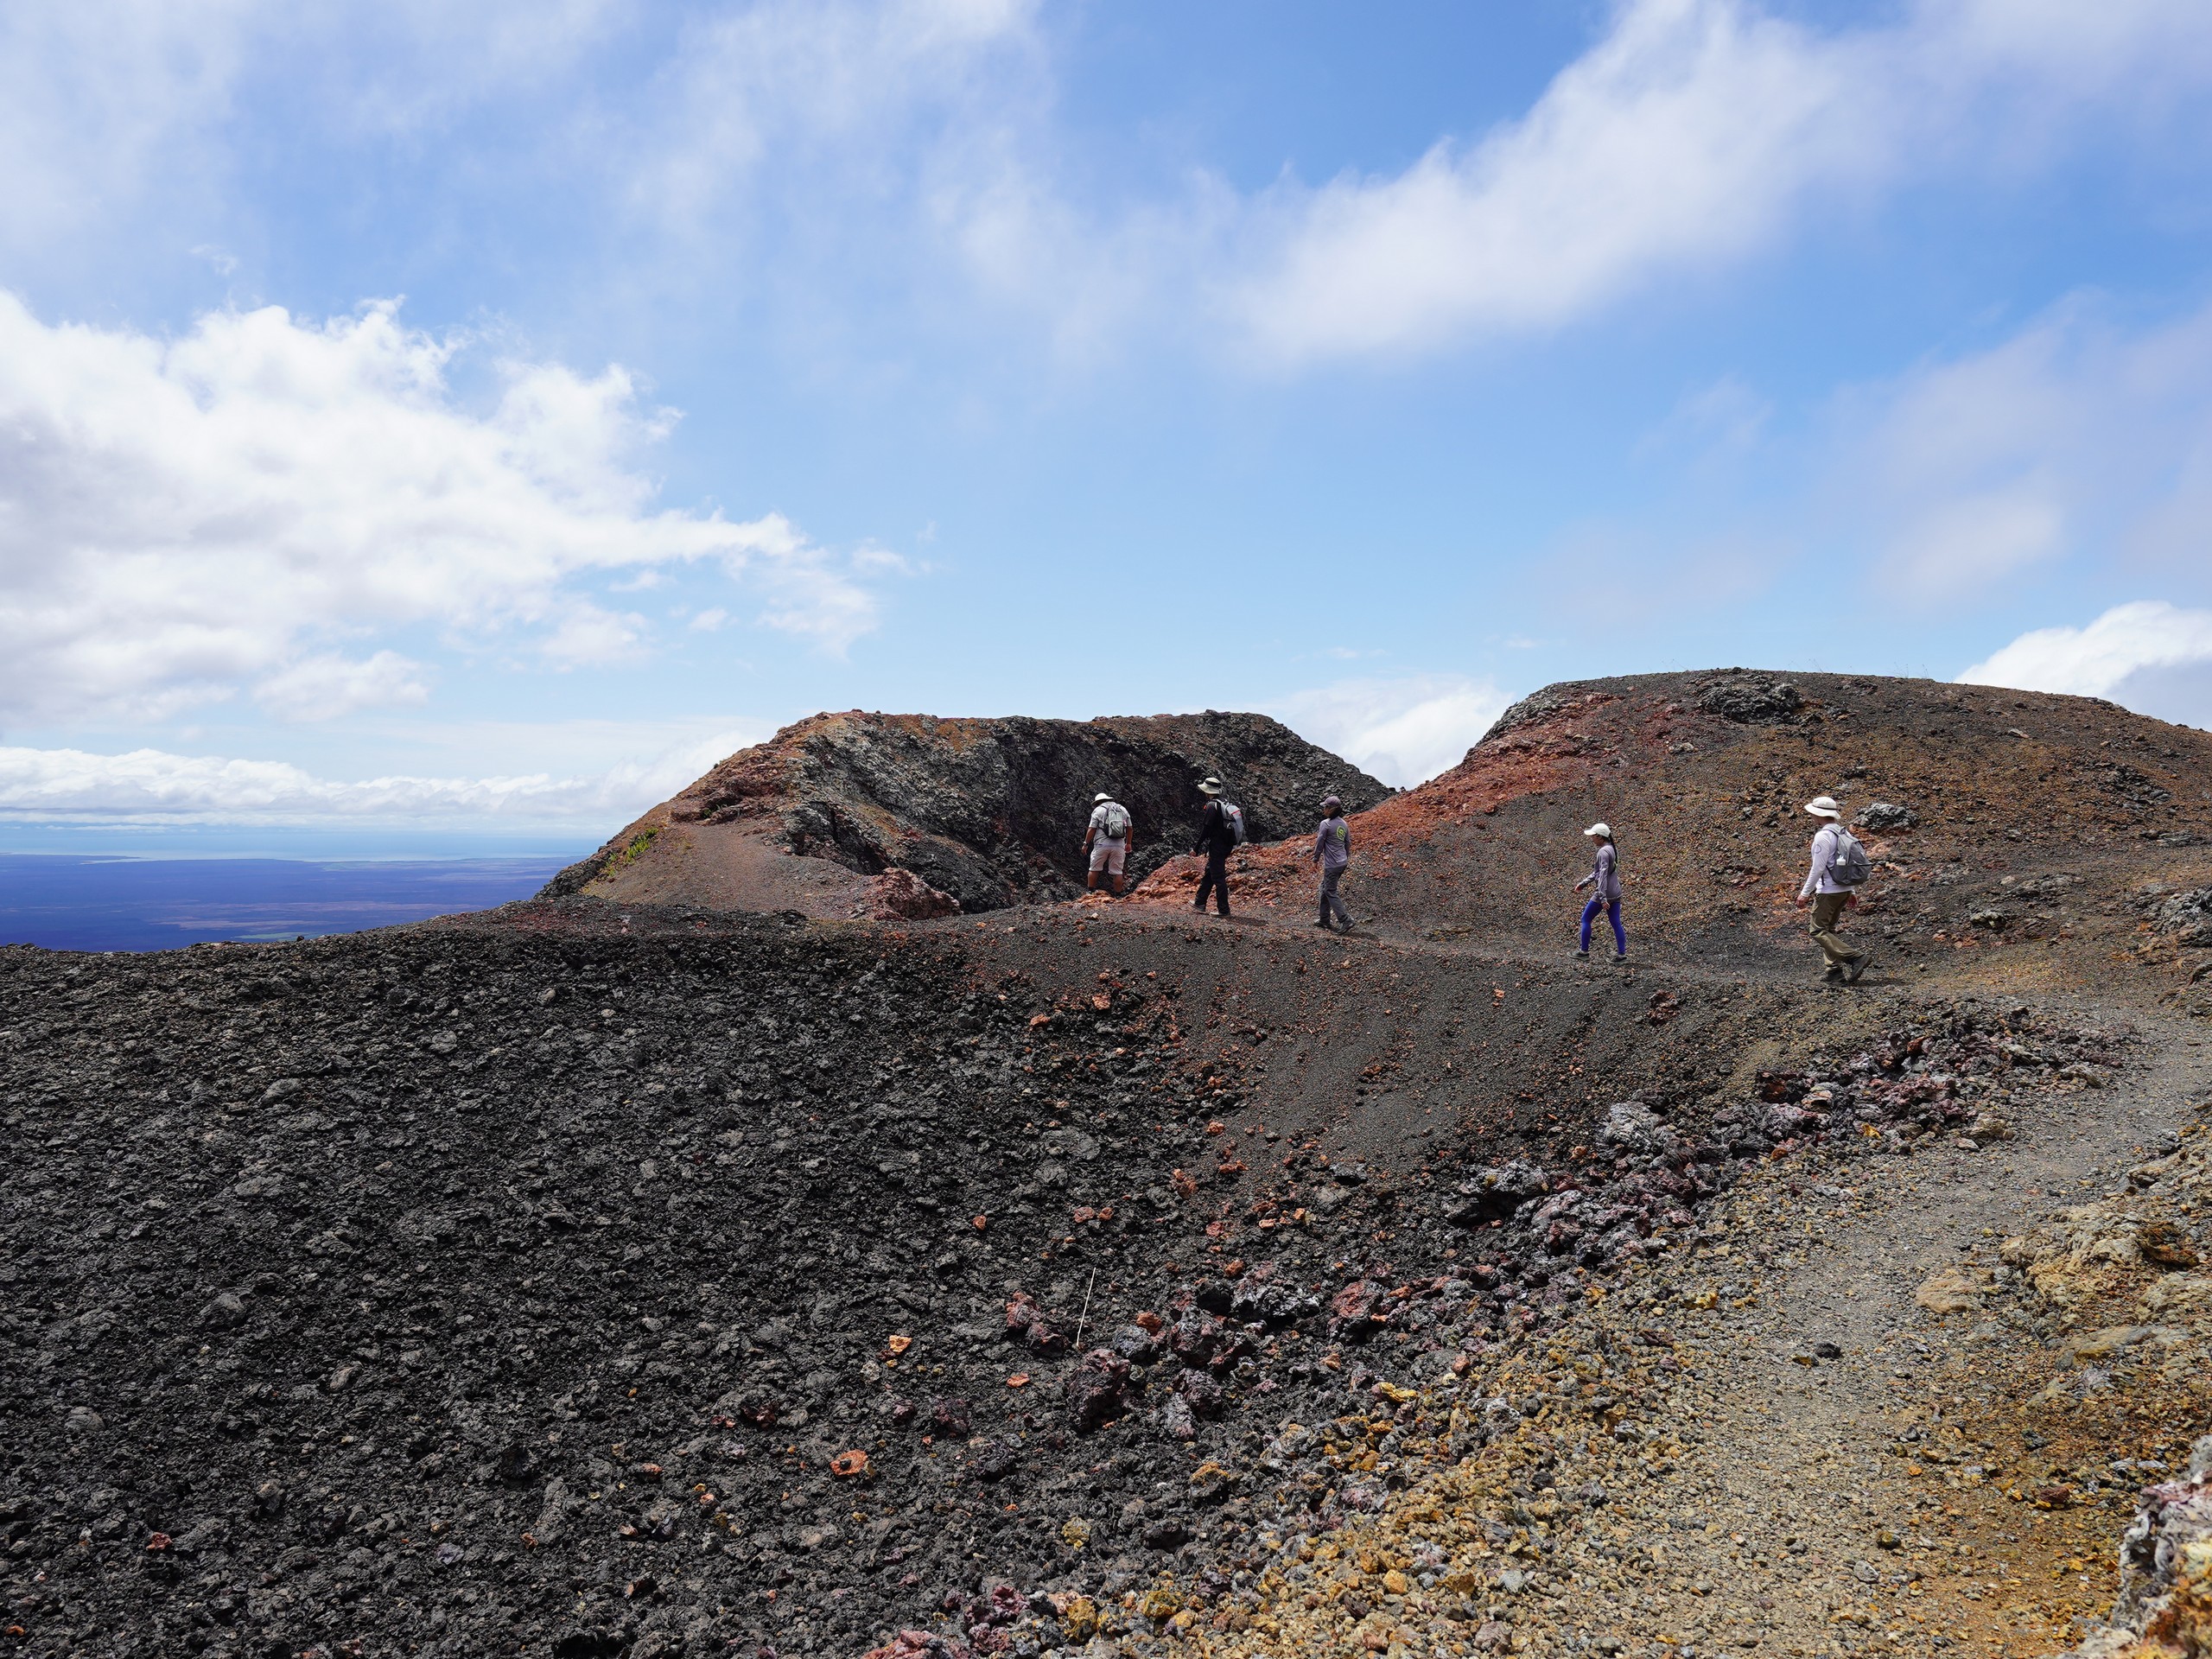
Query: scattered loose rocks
{"type": "Point", "coordinates": [649, 1282]}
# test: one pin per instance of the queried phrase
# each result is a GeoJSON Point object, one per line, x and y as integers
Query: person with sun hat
{"type": "Point", "coordinates": [1605, 884]}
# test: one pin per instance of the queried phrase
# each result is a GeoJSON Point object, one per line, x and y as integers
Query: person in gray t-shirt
{"type": "Point", "coordinates": [1332, 852]}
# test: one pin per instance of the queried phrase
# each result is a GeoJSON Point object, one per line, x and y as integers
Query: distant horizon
{"type": "Point", "coordinates": [150, 836]}
{"type": "Point", "coordinates": [90, 902]}
{"type": "Point", "coordinates": [314, 843]}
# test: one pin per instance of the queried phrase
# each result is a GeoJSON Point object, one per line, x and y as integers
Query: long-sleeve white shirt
{"type": "Point", "coordinates": [1822, 877]}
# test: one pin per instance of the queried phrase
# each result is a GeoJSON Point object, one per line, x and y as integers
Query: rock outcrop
{"type": "Point", "coordinates": [983, 813]}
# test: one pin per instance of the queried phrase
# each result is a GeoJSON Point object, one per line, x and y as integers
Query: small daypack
{"type": "Point", "coordinates": [1850, 867]}
{"type": "Point", "coordinates": [1233, 816]}
{"type": "Point", "coordinates": [1117, 821]}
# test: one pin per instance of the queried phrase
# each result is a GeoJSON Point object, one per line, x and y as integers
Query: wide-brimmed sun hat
{"type": "Point", "coordinates": [1210, 786]}
{"type": "Point", "coordinates": [1600, 829]}
{"type": "Point", "coordinates": [1824, 806]}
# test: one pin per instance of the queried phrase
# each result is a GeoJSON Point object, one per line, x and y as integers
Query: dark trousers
{"type": "Point", "coordinates": [1331, 901]}
{"type": "Point", "coordinates": [1215, 880]}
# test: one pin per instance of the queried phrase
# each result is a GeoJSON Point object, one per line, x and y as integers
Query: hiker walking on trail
{"type": "Point", "coordinates": [1107, 841]}
{"type": "Point", "coordinates": [1839, 867]}
{"type": "Point", "coordinates": [1605, 884]}
{"type": "Point", "coordinates": [1332, 852]}
{"type": "Point", "coordinates": [1220, 827]}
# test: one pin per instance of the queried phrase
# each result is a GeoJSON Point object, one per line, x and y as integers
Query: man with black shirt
{"type": "Point", "coordinates": [1216, 838]}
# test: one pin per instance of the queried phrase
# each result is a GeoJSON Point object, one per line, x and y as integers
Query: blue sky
{"type": "Point", "coordinates": [421, 422]}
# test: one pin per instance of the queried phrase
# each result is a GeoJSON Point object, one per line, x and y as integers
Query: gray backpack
{"type": "Point", "coordinates": [1117, 821]}
{"type": "Point", "coordinates": [1850, 868]}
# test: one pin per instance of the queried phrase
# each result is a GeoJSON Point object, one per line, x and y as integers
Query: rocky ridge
{"type": "Point", "coordinates": [2023, 841]}
{"type": "Point", "coordinates": [984, 813]}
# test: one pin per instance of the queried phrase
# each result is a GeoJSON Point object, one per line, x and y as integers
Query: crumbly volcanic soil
{"type": "Point", "coordinates": [604, 1277]}
{"type": "Point", "coordinates": [455, 1281]}
{"type": "Point", "coordinates": [519, 1288]}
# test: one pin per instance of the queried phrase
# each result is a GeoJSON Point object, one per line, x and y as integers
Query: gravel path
{"type": "Point", "coordinates": [1803, 1458]}
{"type": "Point", "coordinates": [1803, 1452]}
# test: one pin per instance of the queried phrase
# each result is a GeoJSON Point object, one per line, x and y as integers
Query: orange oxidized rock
{"type": "Point", "coordinates": [848, 1464]}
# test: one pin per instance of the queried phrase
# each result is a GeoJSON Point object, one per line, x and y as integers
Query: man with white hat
{"type": "Point", "coordinates": [1107, 839]}
{"type": "Point", "coordinates": [1839, 865]}
{"type": "Point", "coordinates": [1605, 884]}
{"type": "Point", "coordinates": [1216, 840]}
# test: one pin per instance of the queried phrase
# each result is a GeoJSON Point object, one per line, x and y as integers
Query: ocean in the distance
{"type": "Point", "coordinates": [74, 903]}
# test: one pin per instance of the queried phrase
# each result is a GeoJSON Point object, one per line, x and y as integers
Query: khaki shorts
{"type": "Point", "coordinates": [1107, 856]}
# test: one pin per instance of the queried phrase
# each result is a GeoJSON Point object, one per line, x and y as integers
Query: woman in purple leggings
{"type": "Point", "coordinates": [1604, 883]}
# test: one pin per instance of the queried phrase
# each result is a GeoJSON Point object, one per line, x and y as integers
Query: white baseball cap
{"type": "Point", "coordinates": [1824, 806]}
{"type": "Point", "coordinates": [1096, 798]}
{"type": "Point", "coordinates": [1604, 829]}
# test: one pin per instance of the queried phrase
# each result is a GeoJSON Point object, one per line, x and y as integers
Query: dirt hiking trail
{"type": "Point", "coordinates": [1797, 1512]}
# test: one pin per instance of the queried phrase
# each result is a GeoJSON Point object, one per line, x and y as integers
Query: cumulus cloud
{"type": "Point", "coordinates": [2101, 660]}
{"type": "Point", "coordinates": [180, 519]}
{"type": "Point", "coordinates": [1694, 133]}
{"type": "Point", "coordinates": [154, 786]}
{"type": "Point", "coordinates": [1403, 729]}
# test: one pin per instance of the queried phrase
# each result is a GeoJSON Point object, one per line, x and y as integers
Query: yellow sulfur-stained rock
{"type": "Point", "coordinates": [1954, 1290]}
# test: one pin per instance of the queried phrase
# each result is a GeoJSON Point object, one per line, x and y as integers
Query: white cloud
{"type": "Point", "coordinates": [1403, 730]}
{"type": "Point", "coordinates": [829, 86]}
{"type": "Point", "coordinates": [2075, 437]}
{"type": "Point", "coordinates": [322, 688]}
{"type": "Point", "coordinates": [180, 519]}
{"type": "Point", "coordinates": [915, 146]}
{"type": "Point", "coordinates": [117, 113]}
{"type": "Point", "coordinates": [1716, 425]}
{"type": "Point", "coordinates": [152, 785]}
{"type": "Point", "coordinates": [1692, 135]}
{"type": "Point", "coordinates": [95, 99]}
{"type": "Point", "coordinates": [2099, 660]}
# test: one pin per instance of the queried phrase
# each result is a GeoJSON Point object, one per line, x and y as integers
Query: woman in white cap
{"type": "Point", "coordinates": [1837, 858]}
{"type": "Point", "coordinates": [1605, 884]}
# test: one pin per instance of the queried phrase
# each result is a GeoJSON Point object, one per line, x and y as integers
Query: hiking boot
{"type": "Point", "coordinates": [1834, 975]}
{"type": "Point", "coordinates": [1324, 926]}
{"type": "Point", "coordinates": [1582, 955]}
{"type": "Point", "coordinates": [1851, 974]}
{"type": "Point", "coordinates": [1620, 955]}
